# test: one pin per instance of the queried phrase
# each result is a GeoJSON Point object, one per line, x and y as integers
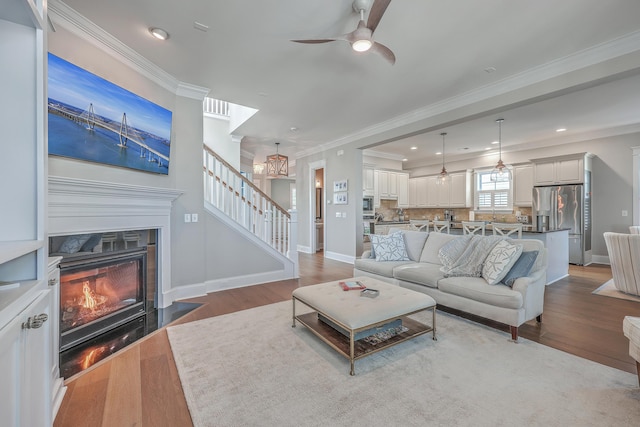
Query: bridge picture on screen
{"type": "Point", "coordinates": [95, 120]}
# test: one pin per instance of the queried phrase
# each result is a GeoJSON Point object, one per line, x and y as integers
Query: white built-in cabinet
{"type": "Point", "coordinates": [26, 346]}
{"type": "Point", "coordinates": [559, 170]}
{"type": "Point", "coordinates": [403, 189]}
{"type": "Point", "coordinates": [522, 185]}
{"type": "Point", "coordinates": [418, 192]}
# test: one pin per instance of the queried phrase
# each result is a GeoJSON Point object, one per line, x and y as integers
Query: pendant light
{"type": "Point", "coordinates": [277, 164]}
{"type": "Point", "coordinates": [444, 177]}
{"type": "Point", "coordinates": [501, 172]}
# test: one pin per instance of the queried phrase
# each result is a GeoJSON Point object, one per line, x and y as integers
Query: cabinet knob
{"type": "Point", "coordinates": [35, 322]}
{"type": "Point", "coordinates": [53, 282]}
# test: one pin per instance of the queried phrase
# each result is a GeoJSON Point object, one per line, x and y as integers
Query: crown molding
{"type": "Point", "coordinates": [593, 55]}
{"type": "Point", "coordinates": [67, 18]}
{"type": "Point", "coordinates": [381, 155]}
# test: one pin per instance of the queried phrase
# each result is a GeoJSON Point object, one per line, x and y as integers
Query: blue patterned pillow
{"type": "Point", "coordinates": [72, 244]}
{"type": "Point", "coordinates": [521, 268]}
{"type": "Point", "coordinates": [390, 247]}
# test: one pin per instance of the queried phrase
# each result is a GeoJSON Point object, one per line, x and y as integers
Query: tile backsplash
{"type": "Point", "coordinates": [389, 210]}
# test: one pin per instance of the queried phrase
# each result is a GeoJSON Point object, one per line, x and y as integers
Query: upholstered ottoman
{"type": "Point", "coordinates": [350, 313]}
{"type": "Point", "coordinates": [631, 329]}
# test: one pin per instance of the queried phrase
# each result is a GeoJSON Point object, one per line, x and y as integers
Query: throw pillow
{"type": "Point", "coordinates": [499, 261]}
{"type": "Point", "coordinates": [521, 268]}
{"type": "Point", "coordinates": [390, 247]}
{"type": "Point", "coordinates": [72, 244]}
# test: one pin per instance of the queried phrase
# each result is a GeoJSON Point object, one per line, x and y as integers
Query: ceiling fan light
{"type": "Point", "coordinates": [362, 45]}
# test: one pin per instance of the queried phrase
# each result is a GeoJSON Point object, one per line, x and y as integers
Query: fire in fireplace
{"type": "Point", "coordinates": [99, 293]}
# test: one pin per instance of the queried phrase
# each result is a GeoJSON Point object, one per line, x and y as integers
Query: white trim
{"type": "Point", "coordinates": [349, 259]}
{"type": "Point", "coordinates": [244, 281]}
{"type": "Point", "coordinates": [600, 259]}
{"type": "Point", "coordinates": [305, 249]}
{"type": "Point", "coordinates": [67, 18]}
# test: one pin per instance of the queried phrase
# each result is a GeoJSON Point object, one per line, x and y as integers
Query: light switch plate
{"type": "Point", "coordinates": [194, 217]}
{"type": "Point", "coordinates": [187, 217]}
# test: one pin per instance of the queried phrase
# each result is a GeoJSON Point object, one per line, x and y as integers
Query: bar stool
{"type": "Point", "coordinates": [441, 226]}
{"type": "Point", "coordinates": [473, 227]}
{"type": "Point", "coordinates": [507, 229]}
{"type": "Point", "coordinates": [419, 225]}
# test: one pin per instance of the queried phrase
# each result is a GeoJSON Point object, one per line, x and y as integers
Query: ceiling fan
{"type": "Point", "coordinates": [361, 39]}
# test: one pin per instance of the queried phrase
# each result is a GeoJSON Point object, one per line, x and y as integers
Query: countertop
{"type": "Point", "coordinates": [526, 228]}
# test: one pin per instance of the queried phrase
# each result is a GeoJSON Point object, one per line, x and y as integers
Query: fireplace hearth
{"type": "Point", "coordinates": [100, 292]}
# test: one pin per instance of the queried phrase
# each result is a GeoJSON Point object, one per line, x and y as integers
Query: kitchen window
{"type": "Point", "coordinates": [492, 196]}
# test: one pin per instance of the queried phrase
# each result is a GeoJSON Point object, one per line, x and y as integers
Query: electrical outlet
{"type": "Point", "coordinates": [625, 213]}
{"type": "Point", "coordinates": [344, 214]}
{"type": "Point", "coordinates": [194, 217]}
{"type": "Point", "coordinates": [338, 215]}
{"type": "Point", "coordinates": [187, 217]}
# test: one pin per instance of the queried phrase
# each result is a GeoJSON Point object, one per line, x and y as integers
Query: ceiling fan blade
{"type": "Point", "coordinates": [384, 51]}
{"type": "Point", "coordinates": [314, 41]}
{"type": "Point", "coordinates": [377, 10]}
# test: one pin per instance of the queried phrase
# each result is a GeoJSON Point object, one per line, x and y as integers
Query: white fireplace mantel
{"type": "Point", "coordinates": [79, 206]}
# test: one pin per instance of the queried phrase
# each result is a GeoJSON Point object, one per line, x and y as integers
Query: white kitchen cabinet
{"type": "Point", "coordinates": [376, 189]}
{"type": "Point", "coordinates": [561, 170]}
{"type": "Point", "coordinates": [25, 352]}
{"type": "Point", "coordinates": [413, 192]}
{"type": "Point", "coordinates": [402, 189]}
{"type": "Point", "coordinates": [368, 183]}
{"type": "Point", "coordinates": [392, 185]}
{"type": "Point", "coordinates": [418, 192]}
{"type": "Point", "coordinates": [454, 193]}
{"type": "Point", "coordinates": [522, 185]}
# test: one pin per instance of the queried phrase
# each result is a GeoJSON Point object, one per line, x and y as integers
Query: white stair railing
{"type": "Point", "coordinates": [236, 196]}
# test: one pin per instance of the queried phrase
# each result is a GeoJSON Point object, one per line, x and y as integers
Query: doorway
{"type": "Point", "coordinates": [317, 207]}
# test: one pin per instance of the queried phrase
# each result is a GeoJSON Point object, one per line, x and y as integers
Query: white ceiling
{"type": "Point", "coordinates": [443, 48]}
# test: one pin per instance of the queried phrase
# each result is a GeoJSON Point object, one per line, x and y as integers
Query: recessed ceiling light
{"type": "Point", "coordinates": [489, 69]}
{"type": "Point", "coordinates": [495, 142]}
{"type": "Point", "coordinates": [487, 148]}
{"type": "Point", "coordinates": [293, 129]}
{"type": "Point", "coordinates": [561, 130]}
{"type": "Point", "coordinates": [414, 148]}
{"type": "Point", "coordinates": [405, 160]}
{"type": "Point", "coordinates": [159, 33]}
{"type": "Point", "coordinates": [438, 153]}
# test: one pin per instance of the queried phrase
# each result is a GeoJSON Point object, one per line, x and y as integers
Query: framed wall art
{"type": "Point", "coordinates": [95, 120]}
{"type": "Point", "coordinates": [341, 185]}
{"type": "Point", "coordinates": [340, 198]}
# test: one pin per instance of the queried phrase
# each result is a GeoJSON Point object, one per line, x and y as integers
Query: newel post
{"type": "Point", "coordinates": [292, 251]}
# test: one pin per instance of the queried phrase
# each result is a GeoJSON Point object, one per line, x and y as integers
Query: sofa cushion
{"type": "Point", "coordinates": [477, 289]}
{"type": "Point", "coordinates": [414, 243]}
{"type": "Point", "coordinates": [422, 273]}
{"type": "Point", "coordinates": [471, 261]}
{"type": "Point", "coordinates": [380, 268]}
{"type": "Point", "coordinates": [499, 261]}
{"type": "Point", "coordinates": [432, 246]}
{"type": "Point", "coordinates": [521, 268]}
{"type": "Point", "coordinates": [390, 247]}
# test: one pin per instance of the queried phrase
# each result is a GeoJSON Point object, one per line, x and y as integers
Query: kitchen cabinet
{"type": "Point", "coordinates": [393, 185]}
{"type": "Point", "coordinates": [53, 281]}
{"type": "Point", "coordinates": [368, 183]}
{"type": "Point", "coordinates": [454, 193]}
{"type": "Point", "coordinates": [522, 185]}
{"type": "Point", "coordinates": [376, 189]}
{"type": "Point", "coordinates": [418, 194]}
{"type": "Point", "coordinates": [25, 353]}
{"type": "Point", "coordinates": [562, 170]}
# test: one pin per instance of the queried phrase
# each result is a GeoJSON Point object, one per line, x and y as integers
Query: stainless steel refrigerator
{"type": "Point", "coordinates": [566, 207]}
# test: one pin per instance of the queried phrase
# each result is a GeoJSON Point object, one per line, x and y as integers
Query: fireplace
{"type": "Point", "coordinates": [100, 292]}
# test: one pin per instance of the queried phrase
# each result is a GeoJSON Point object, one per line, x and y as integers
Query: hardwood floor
{"type": "Point", "coordinates": [140, 384]}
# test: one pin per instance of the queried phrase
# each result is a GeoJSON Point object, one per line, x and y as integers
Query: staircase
{"type": "Point", "coordinates": [229, 194]}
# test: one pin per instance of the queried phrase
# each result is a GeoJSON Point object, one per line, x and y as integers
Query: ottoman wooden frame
{"type": "Point", "coordinates": [354, 314]}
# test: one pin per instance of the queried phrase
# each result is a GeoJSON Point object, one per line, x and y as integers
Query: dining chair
{"type": "Point", "coordinates": [473, 227]}
{"type": "Point", "coordinates": [419, 225]}
{"type": "Point", "coordinates": [441, 226]}
{"type": "Point", "coordinates": [507, 229]}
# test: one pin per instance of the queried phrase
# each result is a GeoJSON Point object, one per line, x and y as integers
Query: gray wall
{"type": "Point", "coordinates": [200, 251]}
{"type": "Point", "coordinates": [280, 192]}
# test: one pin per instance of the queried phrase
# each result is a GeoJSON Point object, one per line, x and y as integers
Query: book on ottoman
{"type": "Point", "coordinates": [362, 334]}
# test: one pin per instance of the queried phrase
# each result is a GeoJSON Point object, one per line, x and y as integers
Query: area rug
{"type": "Point", "coordinates": [609, 290]}
{"type": "Point", "coordinates": [251, 368]}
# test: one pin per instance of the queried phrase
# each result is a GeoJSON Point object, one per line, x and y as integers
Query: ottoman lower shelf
{"type": "Point", "coordinates": [340, 343]}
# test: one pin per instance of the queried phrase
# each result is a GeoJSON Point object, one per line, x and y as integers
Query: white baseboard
{"type": "Point", "coordinates": [247, 280]}
{"type": "Point", "coordinates": [340, 257]}
{"type": "Point", "coordinates": [600, 259]}
{"type": "Point", "coordinates": [183, 292]}
{"type": "Point", "coordinates": [305, 249]}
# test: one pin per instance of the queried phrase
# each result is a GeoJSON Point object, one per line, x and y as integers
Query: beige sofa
{"type": "Point", "coordinates": [512, 306]}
